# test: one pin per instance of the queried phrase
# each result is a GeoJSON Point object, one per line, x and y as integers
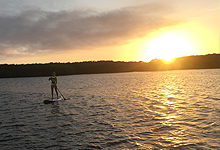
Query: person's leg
{"type": "Point", "coordinates": [56, 91]}
{"type": "Point", "coordinates": [52, 91]}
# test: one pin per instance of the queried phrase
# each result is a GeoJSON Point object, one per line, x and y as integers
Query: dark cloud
{"type": "Point", "coordinates": [34, 31]}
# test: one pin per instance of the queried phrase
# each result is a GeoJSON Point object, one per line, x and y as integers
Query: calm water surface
{"type": "Point", "coordinates": [149, 110]}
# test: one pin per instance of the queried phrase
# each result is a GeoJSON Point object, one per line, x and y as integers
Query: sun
{"type": "Point", "coordinates": [168, 47]}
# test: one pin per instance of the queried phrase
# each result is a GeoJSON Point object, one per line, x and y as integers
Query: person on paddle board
{"type": "Point", "coordinates": [53, 79]}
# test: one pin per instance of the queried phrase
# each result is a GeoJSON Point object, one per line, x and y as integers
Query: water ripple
{"type": "Point", "coordinates": [150, 110]}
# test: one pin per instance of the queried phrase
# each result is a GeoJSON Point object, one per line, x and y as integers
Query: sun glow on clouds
{"type": "Point", "coordinates": [127, 31]}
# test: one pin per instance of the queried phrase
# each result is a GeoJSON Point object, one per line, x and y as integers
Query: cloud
{"type": "Point", "coordinates": [39, 31]}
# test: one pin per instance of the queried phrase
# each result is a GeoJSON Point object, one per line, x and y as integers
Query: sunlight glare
{"type": "Point", "coordinates": [168, 47]}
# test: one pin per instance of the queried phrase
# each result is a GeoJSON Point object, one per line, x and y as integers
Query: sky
{"type": "Point", "coordinates": [39, 31]}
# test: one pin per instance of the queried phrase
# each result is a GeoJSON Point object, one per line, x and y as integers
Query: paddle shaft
{"type": "Point", "coordinates": [61, 94]}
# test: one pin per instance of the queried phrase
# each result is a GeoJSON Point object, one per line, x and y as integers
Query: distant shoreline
{"type": "Point", "coordinates": [210, 61]}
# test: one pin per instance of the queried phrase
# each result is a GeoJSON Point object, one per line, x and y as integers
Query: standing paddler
{"type": "Point", "coordinates": [53, 79]}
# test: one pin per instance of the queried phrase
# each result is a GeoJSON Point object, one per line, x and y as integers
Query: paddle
{"type": "Point", "coordinates": [62, 95]}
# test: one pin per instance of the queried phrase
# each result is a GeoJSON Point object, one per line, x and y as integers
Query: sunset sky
{"type": "Point", "coordinates": [42, 31]}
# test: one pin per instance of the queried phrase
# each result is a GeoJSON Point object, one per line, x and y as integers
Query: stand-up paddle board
{"type": "Point", "coordinates": [52, 100]}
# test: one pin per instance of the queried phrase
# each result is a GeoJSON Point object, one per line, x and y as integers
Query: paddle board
{"type": "Point", "coordinates": [47, 101]}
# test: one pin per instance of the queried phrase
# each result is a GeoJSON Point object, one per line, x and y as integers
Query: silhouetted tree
{"type": "Point", "coordinates": [93, 67]}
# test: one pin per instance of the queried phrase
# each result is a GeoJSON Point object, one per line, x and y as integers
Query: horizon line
{"type": "Point", "coordinates": [84, 61]}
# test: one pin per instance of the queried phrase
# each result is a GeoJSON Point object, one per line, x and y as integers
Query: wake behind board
{"type": "Point", "coordinates": [52, 100]}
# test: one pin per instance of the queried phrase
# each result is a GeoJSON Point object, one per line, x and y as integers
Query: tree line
{"type": "Point", "coordinates": [209, 61]}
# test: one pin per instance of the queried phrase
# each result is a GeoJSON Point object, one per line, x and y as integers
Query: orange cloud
{"type": "Point", "coordinates": [34, 31]}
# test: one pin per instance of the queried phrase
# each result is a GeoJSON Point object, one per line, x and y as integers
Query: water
{"type": "Point", "coordinates": [149, 110]}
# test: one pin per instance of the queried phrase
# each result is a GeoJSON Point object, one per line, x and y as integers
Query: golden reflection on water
{"type": "Point", "coordinates": [167, 109]}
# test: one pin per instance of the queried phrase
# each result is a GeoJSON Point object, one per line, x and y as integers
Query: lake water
{"type": "Point", "coordinates": [147, 110]}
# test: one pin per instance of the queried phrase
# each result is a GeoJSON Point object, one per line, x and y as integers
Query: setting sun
{"type": "Point", "coordinates": [167, 47]}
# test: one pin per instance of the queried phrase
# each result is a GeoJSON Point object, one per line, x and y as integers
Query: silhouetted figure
{"type": "Point", "coordinates": [53, 79]}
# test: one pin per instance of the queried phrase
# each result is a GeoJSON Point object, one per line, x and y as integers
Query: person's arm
{"type": "Point", "coordinates": [49, 78]}
{"type": "Point", "coordinates": [56, 79]}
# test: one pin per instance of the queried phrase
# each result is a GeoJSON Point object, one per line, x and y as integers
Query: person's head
{"type": "Point", "coordinates": [54, 73]}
